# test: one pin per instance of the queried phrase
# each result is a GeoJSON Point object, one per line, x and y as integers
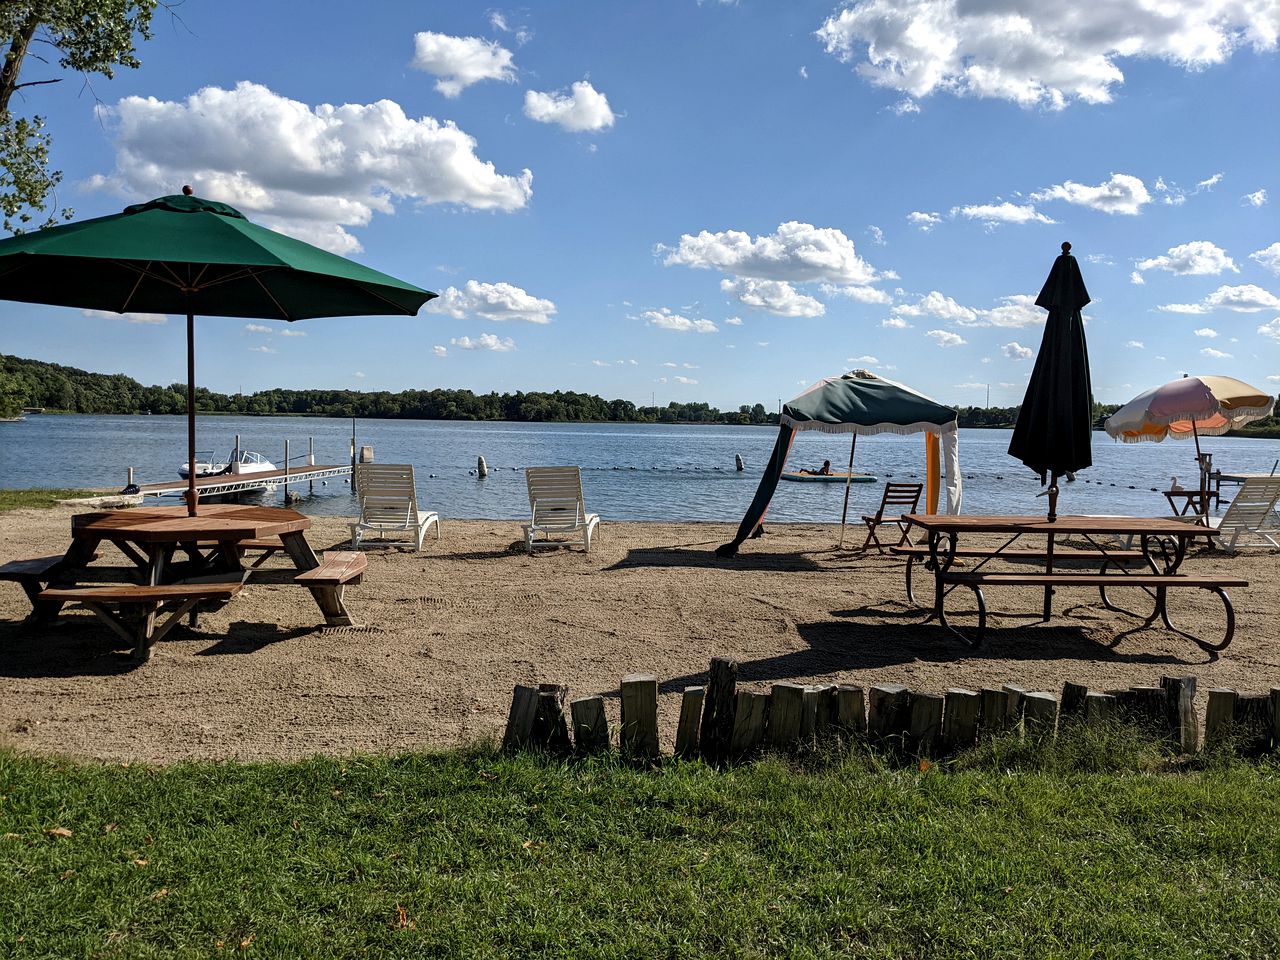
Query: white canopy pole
{"type": "Point", "coordinates": [848, 482]}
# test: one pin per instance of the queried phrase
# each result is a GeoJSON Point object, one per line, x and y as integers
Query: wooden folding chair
{"type": "Point", "coordinates": [899, 499]}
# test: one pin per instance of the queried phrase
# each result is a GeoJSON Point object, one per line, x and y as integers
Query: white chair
{"type": "Point", "coordinates": [1250, 519]}
{"type": "Point", "coordinates": [555, 505]}
{"type": "Point", "coordinates": [389, 504]}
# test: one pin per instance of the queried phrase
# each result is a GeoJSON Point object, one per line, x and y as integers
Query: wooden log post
{"type": "Point", "coordinates": [889, 716]}
{"type": "Point", "coordinates": [1219, 715]}
{"type": "Point", "coordinates": [926, 724]}
{"type": "Point", "coordinates": [1071, 706]}
{"type": "Point", "coordinates": [690, 715]}
{"type": "Point", "coordinates": [828, 716]}
{"type": "Point", "coordinates": [1252, 725]}
{"type": "Point", "coordinates": [1040, 714]}
{"type": "Point", "coordinates": [1275, 718]}
{"type": "Point", "coordinates": [1100, 707]}
{"type": "Point", "coordinates": [786, 715]}
{"type": "Point", "coordinates": [638, 738]}
{"type": "Point", "coordinates": [995, 711]}
{"type": "Point", "coordinates": [718, 710]}
{"type": "Point", "coordinates": [751, 717]}
{"type": "Point", "coordinates": [550, 731]}
{"type": "Point", "coordinates": [809, 715]}
{"type": "Point", "coordinates": [851, 711]}
{"type": "Point", "coordinates": [1180, 712]}
{"type": "Point", "coordinates": [524, 709]}
{"type": "Point", "coordinates": [960, 713]}
{"type": "Point", "coordinates": [1146, 707]}
{"type": "Point", "coordinates": [590, 725]}
{"type": "Point", "coordinates": [1013, 713]}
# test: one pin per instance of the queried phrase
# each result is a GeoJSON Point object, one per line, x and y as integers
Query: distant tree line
{"type": "Point", "coordinates": [33, 383]}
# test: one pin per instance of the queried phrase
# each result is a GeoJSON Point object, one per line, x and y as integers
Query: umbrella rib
{"type": "Point", "coordinates": [271, 296]}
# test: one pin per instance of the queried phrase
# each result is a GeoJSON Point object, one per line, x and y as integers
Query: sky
{"type": "Point", "coordinates": [702, 201]}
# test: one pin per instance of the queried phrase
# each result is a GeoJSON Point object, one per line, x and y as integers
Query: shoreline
{"type": "Point", "coordinates": [449, 631]}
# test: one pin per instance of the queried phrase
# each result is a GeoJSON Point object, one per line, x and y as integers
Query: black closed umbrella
{"type": "Point", "coordinates": [1054, 432]}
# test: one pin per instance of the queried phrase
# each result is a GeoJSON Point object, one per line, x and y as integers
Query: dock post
{"type": "Point", "coordinates": [311, 462]}
{"type": "Point", "coordinates": [353, 444]}
{"type": "Point", "coordinates": [286, 471]}
{"type": "Point", "coordinates": [131, 476]}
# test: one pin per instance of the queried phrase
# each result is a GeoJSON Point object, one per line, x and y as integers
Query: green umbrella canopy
{"type": "Point", "coordinates": [860, 402]}
{"type": "Point", "coordinates": [183, 254]}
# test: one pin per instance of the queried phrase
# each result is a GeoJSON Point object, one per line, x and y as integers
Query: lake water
{"type": "Point", "coordinates": [630, 471]}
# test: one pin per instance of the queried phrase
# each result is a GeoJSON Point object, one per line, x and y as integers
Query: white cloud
{"type": "Point", "coordinates": [905, 106]}
{"type": "Point", "coordinates": [925, 221]}
{"type": "Point", "coordinates": [127, 317]}
{"type": "Point", "coordinates": [486, 341]}
{"type": "Point", "coordinates": [993, 214]}
{"type": "Point", "coordinates": [895, 323]}
{"type": "Point", "coordinates": [734, 321]}
{"type": "Point", "coordinates": [500, 22]}
{"type": "Point", "coordinates": [1016, 351]}
{"type": "Point", "coordinates": [1213, 354]}
{"type": "Point", "coordinates": [945, 338]}
{"type": "Point", "coordinates": [861, 294]}
{"type": "Point", "coordinates": [1137, 278]}
{"type": "Point", "coordinates": [804, 73]}
{"type": "Point", "coordinates": [1207, 332]}
{"type": "Point", "coordinates": [1035, 54]}
{"type": "Point", "coordinates": [1197, 258]}
{"type": "Point", "coordinates": [292, 332]}
{"type": "Point", "coordinates": [876, 234]}
{"type": "Point", "coordinates": [1242, 299]}
{"type": "Point", "coordinates": [262, 349]}
{"type": "Point", "coordinates": [602, 363]}
{"type": "Point", "coordinates": [461, 61]}
{"type": "Point", "coordinates": [762, 343]}
{"type": "Point", "coordinates": [935, 304]}
{"type": "Point", "coordinates": [1273, 378]}
{"type": "Point", "coordinates": [664, 319]}
{"type": "Point", "coordinates": [359, 374]}
{"type": "Point", "coordinates": [689, 366]}
{"type": "Point", "coordinates": [796, 253]}
{"type": "Point", "coordinates": [673, 366]}
{"type": "Point", "coordinates": [492, 301]}
{"type": "Point", "coordinates": [258, 328]}
{"type": "Point", "coordinates": [439, 351]}
{"type": "Point", "coordinates": [1121, 194]}
{"type": "Point", "coordinates": [1269, 257]}
{"type": "Point", "coordinates": [1271, 329]}
{"type": "Point", "coordinates": [310, 171]}
{"type": "Point", "coordinates": [583, 109]}
{"type": "Point", "coordinates": [867, 359]}
{"type": "Point", "coordinates": [1135, 344]}
{"type": "Point", "coordinates": [1256, 199]}
{"type": "Point", "coordinates": [776, 296]}
{"type": "Point", "coordinates": [687, 381]}
{"type": "Point", "coordinates": [1017, 311]}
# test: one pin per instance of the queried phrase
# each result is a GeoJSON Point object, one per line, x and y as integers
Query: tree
{"type": "Point", "coordinates": [88, 36]}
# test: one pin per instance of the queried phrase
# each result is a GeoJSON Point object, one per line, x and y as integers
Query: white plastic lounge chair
{"type": "Point", "coordinates": [555, 505]}
{"type": "Point", "coordinates": [1250, 519]}
{"type": "Point", "coordinates": [389, 504]}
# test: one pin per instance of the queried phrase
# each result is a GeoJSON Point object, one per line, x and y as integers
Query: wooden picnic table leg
{"type": "Point", "coordinates": [158, 555]}
{"type": "Point", "coordinates": [78, 556]}
{"type": "Point", "coordinates": [328, 599]}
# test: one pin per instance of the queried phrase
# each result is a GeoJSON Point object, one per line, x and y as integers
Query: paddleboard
{"type": "Point", "coordinates": [833, 477]}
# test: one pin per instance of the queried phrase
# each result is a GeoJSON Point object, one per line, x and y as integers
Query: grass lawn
{"type": "Point", "coordinates": [469, 854]}
{"type": "Point", "coordinates": [17, 499]}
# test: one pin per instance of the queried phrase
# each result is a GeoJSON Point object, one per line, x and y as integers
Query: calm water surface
{"type": "Point", "coordinates": [630, 471]}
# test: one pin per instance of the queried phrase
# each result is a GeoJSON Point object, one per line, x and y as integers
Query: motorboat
{"type": "Point", "coordinates": [209, 465]}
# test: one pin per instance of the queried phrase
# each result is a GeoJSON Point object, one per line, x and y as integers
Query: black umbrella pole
{"type": "Point", "coordinates": [1053, 498]}
{"type": "Point", "coordinates": [191, 415]}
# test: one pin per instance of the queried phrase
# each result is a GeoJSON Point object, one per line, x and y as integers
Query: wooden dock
{"type": "Point", "coordinates": [244, 482]}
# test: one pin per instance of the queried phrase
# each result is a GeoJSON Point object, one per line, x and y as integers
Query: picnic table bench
{"type": "Point", "coordinates": [1162, 548]}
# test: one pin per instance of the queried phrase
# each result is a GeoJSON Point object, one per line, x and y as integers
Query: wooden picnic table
{"type": "Point", "coordinates": [213, 544]}
{"type": "Point", "coordinates": [1162, 546]}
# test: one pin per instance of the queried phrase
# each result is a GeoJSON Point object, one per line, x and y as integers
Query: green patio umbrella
{"type": "Point", "coordinates": [857, 403]}
{"type": "Point", "coordinates": [1054, 431]}
{"type": "Point", "coordinates": [185, 255]}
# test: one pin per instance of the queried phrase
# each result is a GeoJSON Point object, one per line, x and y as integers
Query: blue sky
{"type": "Point", "coordinates": [709, 201]}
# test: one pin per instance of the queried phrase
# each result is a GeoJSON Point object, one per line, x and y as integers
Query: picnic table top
{"type": "Point", "coordinates": [978, 523]}
{"type": "Point", "coordinates": [219, 522]}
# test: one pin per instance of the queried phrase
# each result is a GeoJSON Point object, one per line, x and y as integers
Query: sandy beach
{"type": "Point", "coordinates": [447, 632]}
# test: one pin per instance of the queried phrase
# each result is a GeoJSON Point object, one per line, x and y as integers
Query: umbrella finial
{"type": "Point", "coordinates": [186, 190]}
{"type": "Point", "coordinates": [1066, 247]}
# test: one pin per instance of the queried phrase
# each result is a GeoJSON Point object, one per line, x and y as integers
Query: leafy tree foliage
{"type": "Point", "coordinates": [88, 37]}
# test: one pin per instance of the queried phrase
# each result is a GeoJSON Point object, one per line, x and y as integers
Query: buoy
{"type": "Point", "coordinates": [482, 468]}
{"type": "Point", "coordinates": [324, 483]}
{"type": "Point", "coordinates": [738, 463]}
{"type": "Point", "coordinates": [431, 476]}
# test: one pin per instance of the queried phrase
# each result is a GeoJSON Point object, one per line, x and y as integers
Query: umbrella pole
{"type": "Point", "coordinates": [1053, 498]}
{"type": "Point", "coordinates": [848, 482]}
{"type": "Point", "coordinates": [191, 415]}
{"type": "Point", "coordinates": [1204, 477]}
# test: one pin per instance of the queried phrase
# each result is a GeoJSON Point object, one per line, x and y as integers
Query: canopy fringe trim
{"type": "Point", "coordinates": [868, 430]}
